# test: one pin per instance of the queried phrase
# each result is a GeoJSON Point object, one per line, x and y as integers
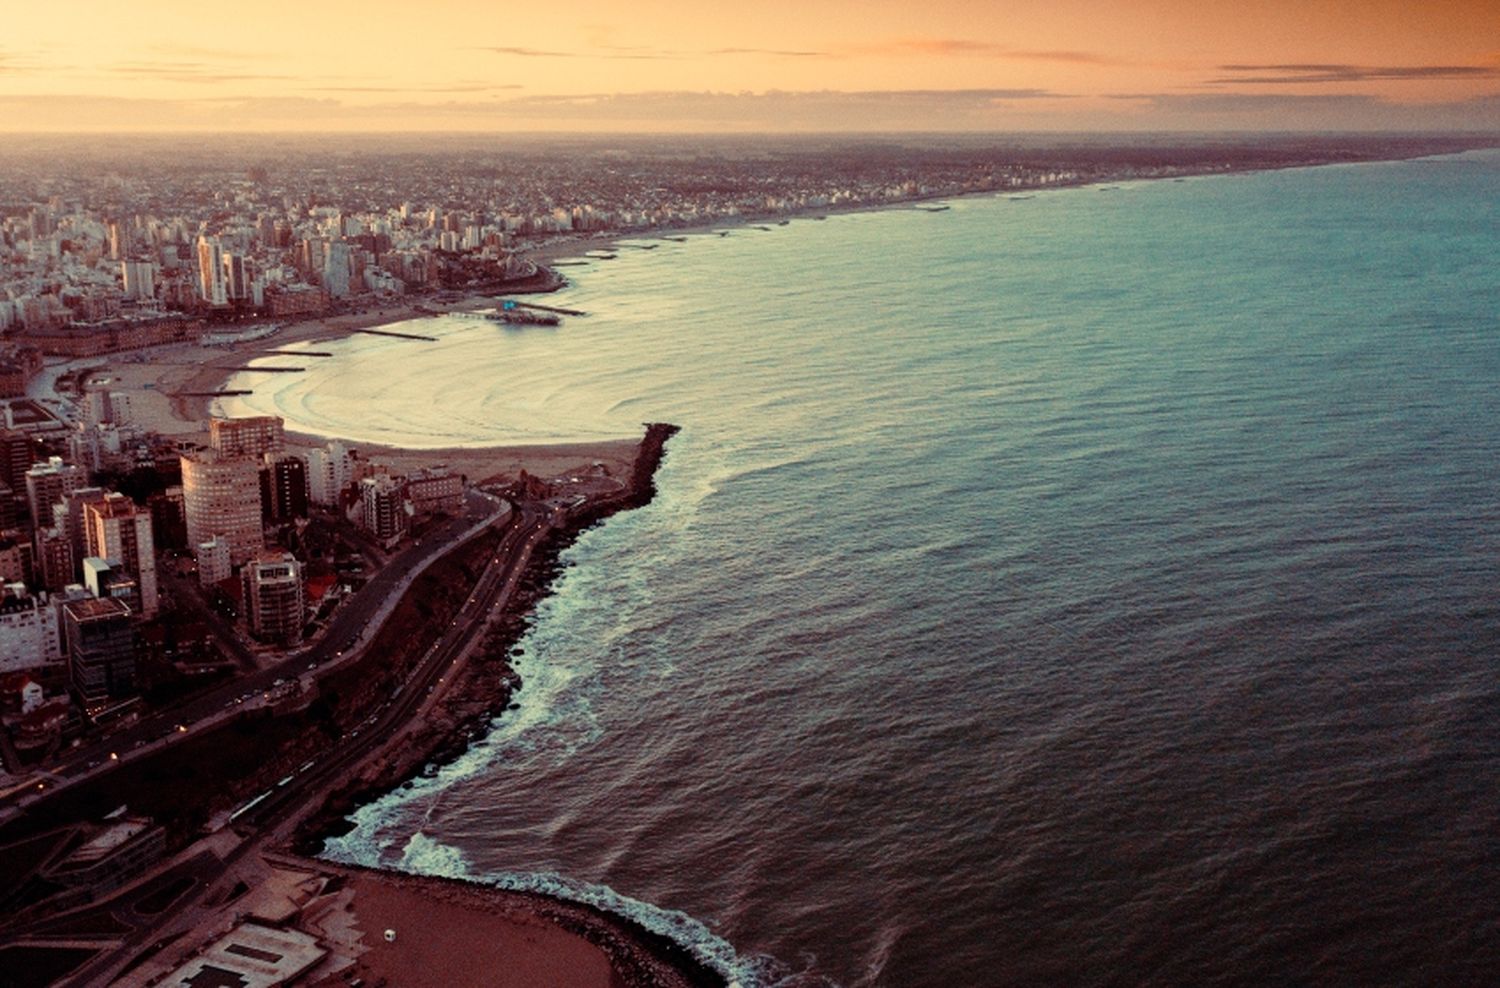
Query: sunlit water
{"type": "Point", "coordinates": [1091, 589]}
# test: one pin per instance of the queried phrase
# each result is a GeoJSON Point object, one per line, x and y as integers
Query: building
{"type": "Point", "coordinates": [168, 519]}
{"type": "Point", "coordinates": [29, 635]}
{"type": "Point", "coordinates": [54, 562]}
{"type": "Point", "coordinates": [274, 601]}
{"type": "Point", "coordinates": [100, 646]}
{"type": "Point", "coordinates": [50, 482]}
{"type": "Point", "coordinates": [330, 471]}
{"type": "Point", "coordinates": [112, 855]}
{"type": "Point", "coordinates": [383, 507]}
{"type": "Point", "coordinates": [211, 272]}
{"type": "Point", "coordinates": [435, 490]}
{"type": "Point", "coordinates": [108, 578]}
{"type": "Point", "coordinates": [68, 515]}
{"type": "Point", "coordinates": [17, 558]}
{"type": "Point", "coordinates": [336, 271]}
{"type": "Point", "coordinates": [214, 561]}
{"type": "Point", "coordinates": [236, 278]}
{"type": "Point", "coordinates": [116, 529]}
{"type": "Point", "coordinates": [287, 487]}
{"type": "Point", "coordinates": [221, 496]}
{"type": "Point", "coordinates": [139, 279]}
{"type": "Point", "coordinates": [251, 956]}
{"type": "Point", "coordinates": [253, 436]}
{"type": "Point", "coordinates": [16, 457]}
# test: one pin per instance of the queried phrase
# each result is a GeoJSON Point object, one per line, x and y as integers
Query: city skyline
{"type": "Point", "coordinates": [830, 66]}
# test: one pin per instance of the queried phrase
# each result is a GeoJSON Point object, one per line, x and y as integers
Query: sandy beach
{"type": "Point", "coordinates": [159, 382]}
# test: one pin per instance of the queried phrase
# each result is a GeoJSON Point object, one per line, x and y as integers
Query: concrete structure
{"type": "Point", "coordinates": [69, 517]}
{"type": "Point", "coordinates": [115, 528]}
{"type": "Point", "coordinates": [211, 272]}
{"type": "Point", "coordinates": [29, 634]}
{"type": "Point", "coordinates": [383, 507]}
{"type": "Point", "coordinates": [250, 956]}
{"type": "Point", "coordinates": [274, 601]}
{"type": "Point", "coordinates": [287, 486]}
{"type": "Point", "coordinates": [255, 435]}
{"type": "Point", "coordinates": [111, 856]}
{"type": "Point", "coordinates": [101, 649]}
{"type": "Point", "coordinates": [221, 496]}
{"type": "Point", "coordinates": [56, 566]}
{"type": "Point", "coordinates": [50, 482]}
{"type": "Point", "coordinates": [214, 561]}
{"type": "Point", "coordinates": [329, 472]}
{"type": "Point", "coordinates": [436, 490]}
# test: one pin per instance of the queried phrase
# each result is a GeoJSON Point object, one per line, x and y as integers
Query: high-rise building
{"type": "Point", "coordinates": [214, 565]}
{"type": "Point", "coordinates": [116, 529]}
{"type": "Point", "coordinates": [384, 501]}
{"type": "Point", "coordinates": [273, 597]}
{"type": "Point", "coordinates": [100, 645]}
{"type": "Point", "coordinates": [16, 457]}
{"type": "Point", "coordinates": [336, 270]}
{"type": "Point", "coordinates": [56, 565]}
{"type": "Point", "coordinates": [254, 436]}
{"type": "Point", "coordinates": [329, 471]}
{"type": "Point", "coordinates": [139, 279]}
{"type": "Point", "coordinates": [221, 497]}
{"type": "Point", "coordinates": [168, 519]}
{"type": "Point", "coordinates": [236, 277]}
{"type": "Point", "coordinates": [68, 515]}
{"type": "Point", "coordinates": [211, 272]}
{"type": "Point", "coordinates": [287, 478]}
{"type": "Point", "coordinates": [50, 482]}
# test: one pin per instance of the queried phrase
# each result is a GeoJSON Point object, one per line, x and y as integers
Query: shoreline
{"type": "Point", "coordinates": [157, 377]}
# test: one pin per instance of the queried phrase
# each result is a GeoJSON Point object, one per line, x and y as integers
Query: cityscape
{"type": "Point", "coordinates": [842, 496]}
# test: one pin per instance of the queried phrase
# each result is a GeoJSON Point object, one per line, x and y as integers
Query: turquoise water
{"type": "Point", "coordinates": [1094, 588]}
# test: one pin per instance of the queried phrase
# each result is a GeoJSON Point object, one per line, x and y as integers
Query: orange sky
{"type": "Point", "coordinates": [772, 65]}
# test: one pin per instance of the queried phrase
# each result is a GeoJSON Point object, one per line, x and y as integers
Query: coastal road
{"type": "Point", "coordinates": [353, 624]}
{"type": "Point", "coordinates": [269, 819]}
{"type": "Point", "coordinates": [282, 807]}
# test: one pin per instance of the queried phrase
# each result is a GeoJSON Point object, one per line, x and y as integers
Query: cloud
{"type": "Point", "coordinates": [189, 72]}
{"type": "Point", "coordinates": [1304, 73]}
{"type": "Point", "coordinates": [645, 53]}
{"type": "Point", "coordinates": [467, 87]}
{"type": "Point", "coordinates": [1313, 111]}
{"type": "Point", "coordinates": [525, 52]}
{"type": "Point", "coordinates": [966, 47]}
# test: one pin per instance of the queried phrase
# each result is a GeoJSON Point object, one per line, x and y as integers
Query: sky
{"type": "Point", "coordinates": [763, 66]}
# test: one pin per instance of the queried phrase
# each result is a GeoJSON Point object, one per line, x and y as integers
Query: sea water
{"type": "Point", "coordinates": [1094, 588]}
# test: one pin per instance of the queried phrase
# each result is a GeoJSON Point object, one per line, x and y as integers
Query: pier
{"type": "Point", "coordinates": [399, 336]}
{"type": "Point", "coordinates": [296, 353]}
{"type": "Point", "coordinates": [232, 393]}
{"type": "Point", "coordinates": [273, 369]}
{"type": "Point", "coordinates": [511, 304]}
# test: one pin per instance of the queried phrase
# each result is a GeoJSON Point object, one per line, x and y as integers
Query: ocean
{"type": "Point", "coordinates": [1092, 588]}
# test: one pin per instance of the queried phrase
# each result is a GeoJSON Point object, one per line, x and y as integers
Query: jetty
{"type": "Point", "coordinates": [270, 369]}
{"type": "Point", "coordinates": [506, 303]}
{"type": "Point", "coordinates": [231, 393]}
{"type": "Point", "coordinates": [297, 353]}
{"type": "Point", "coordinates": [399, 336]}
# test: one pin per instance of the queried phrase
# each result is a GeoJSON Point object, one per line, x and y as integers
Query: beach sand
{"type": "Point", "coordinates": [156, 379]}
{"type": "Point", "coordinates": [447, 935]}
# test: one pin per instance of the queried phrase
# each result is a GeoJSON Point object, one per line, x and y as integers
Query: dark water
{"type": "Point", "coordinates": [1092, 589]}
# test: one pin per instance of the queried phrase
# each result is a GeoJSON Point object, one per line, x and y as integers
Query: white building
{"type": "Point", "coordinates": [214, 564]}
{"type": "Point", "coordinates": [330, 471]}
{"type": "Point", "coordinates": [30, 636]}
